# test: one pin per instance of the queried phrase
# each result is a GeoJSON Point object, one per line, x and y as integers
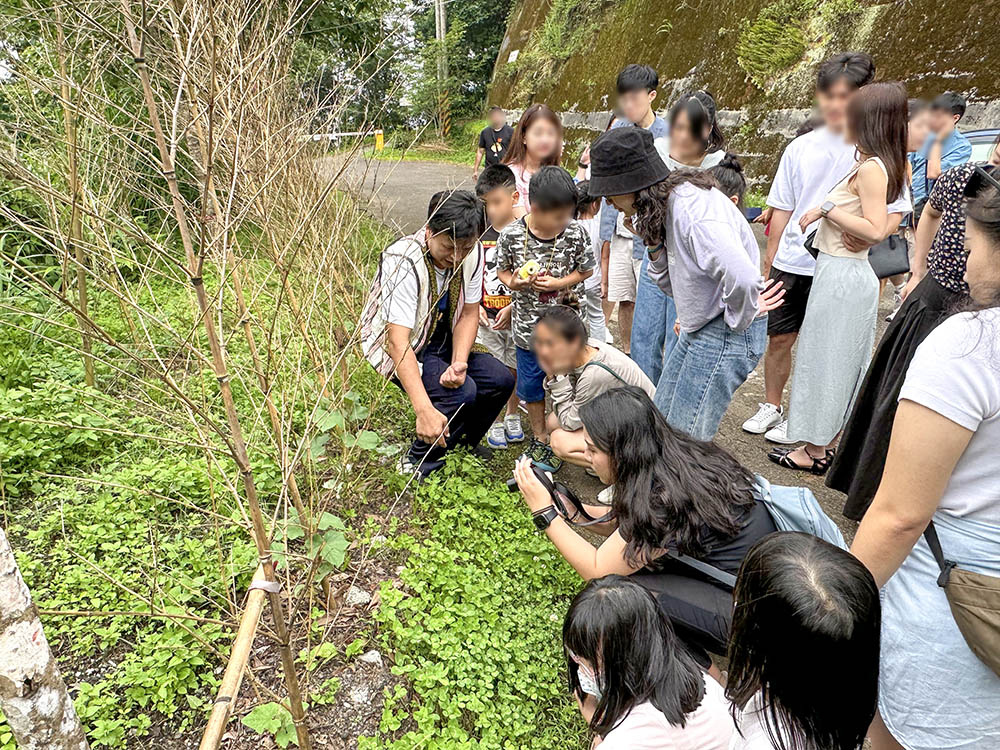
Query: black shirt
{"type": "Point", "coordinates": [495, 143]}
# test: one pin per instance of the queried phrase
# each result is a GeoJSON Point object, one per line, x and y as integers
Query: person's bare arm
{"type": "Point", "coordinates": [923, 451]}
{"type": "Point", "coordinates": [544, 283]}
{"type": "Point", "coordinates": [589, 561]}
{"type": "Point", "coordinates": [930, 222]}
{"type": "Point", "coordinates": [779, 220]}
{"type": "Point", "coordinates": [479, 158]}
{"type": "Point", "coordinates": [432, 425]}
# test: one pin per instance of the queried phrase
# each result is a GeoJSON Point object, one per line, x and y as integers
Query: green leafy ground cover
{"type": "Point", "coordinates": [475, 623]}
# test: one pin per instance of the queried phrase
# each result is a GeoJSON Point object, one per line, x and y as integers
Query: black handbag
{"type": "Point", "coordinates": [889, 257]}
{"type": "Point", "coordinates": [810, 244]}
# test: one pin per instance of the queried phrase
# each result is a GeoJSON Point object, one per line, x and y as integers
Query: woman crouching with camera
{"type": "Point", "coordinates": [637, 686]}
{"type": "Point", "coordinates": [673, 495]}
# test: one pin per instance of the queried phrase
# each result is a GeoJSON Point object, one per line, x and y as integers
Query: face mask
{"type": "Point", "coordinates": [589, 682]}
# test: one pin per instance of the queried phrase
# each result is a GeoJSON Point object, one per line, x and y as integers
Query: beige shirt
{"type": "Point", "coordinates": [586, 383]}
{"type": "Point", "coordinates": [829, 236]}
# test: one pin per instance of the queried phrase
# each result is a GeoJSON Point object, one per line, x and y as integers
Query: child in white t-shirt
{"type": "Point", "coordinates": [637, 686]}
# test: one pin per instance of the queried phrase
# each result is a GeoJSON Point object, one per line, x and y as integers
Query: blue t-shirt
{"type": "Point", "coordinates": [609, 215]}
{"type": "Point", "coordinates": [955, 150]}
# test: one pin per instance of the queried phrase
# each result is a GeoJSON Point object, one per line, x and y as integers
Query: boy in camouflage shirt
{"type": "Point", "coordinates": [542, 258]}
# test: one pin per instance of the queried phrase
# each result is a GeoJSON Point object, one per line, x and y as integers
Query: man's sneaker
{"type": "Point", "coordinates": [767, 416]}
{"type": "Point", "coordinates": [512, 428]}
{"type": "Point", "coordinates": [541, 455]}
{"type": "Point", "coordinates": [779, 434]}
{"type": "Point", "coordinates": [605, 496]}
{"type": "Point", "coordinates": [608, 338]}
{"type": "Point", "coordinates": [406, 468]}
{"type": "Point", "coordinates": [497, 436]}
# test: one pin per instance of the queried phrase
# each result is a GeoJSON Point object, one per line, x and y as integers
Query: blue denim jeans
{"type": "Point", "coordinates": [652, 325]}
{"type": "Point", "coordinates": [703, 372]}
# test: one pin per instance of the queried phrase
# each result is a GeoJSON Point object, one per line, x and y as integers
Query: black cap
{"type": "Point", "coordinates": [624, 160]}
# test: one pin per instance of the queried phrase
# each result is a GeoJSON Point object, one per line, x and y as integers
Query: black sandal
{"type": "Point", "coordinates": [819, 466]}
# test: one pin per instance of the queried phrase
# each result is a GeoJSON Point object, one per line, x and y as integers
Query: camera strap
{"type": "Point", "coordinates": [570, 507]}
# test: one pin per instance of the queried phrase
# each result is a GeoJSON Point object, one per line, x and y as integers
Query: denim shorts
{"type": "Point", "coordinates": [529, 377]}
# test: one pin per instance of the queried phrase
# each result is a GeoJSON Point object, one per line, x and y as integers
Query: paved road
{"type": "Point", "coordinates": [398, 192]}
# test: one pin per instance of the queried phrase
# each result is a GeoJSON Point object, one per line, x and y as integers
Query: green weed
{"type": "Point", "coordinates": [476, 627]}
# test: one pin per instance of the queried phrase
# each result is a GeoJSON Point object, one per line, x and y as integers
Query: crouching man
{"type": "Point", "coordinates": [419, 329]}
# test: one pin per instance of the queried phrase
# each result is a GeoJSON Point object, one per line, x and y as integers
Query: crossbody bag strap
{"type": "Point", "coordinates": [945, 565]}
{"type": "Point", "coordinates": [726, 579]}
{"type": "Point", "coordinates": [606, 369]}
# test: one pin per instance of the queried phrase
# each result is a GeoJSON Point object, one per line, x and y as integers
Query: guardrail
{"type": "Point", "coordinates": [379, 137]}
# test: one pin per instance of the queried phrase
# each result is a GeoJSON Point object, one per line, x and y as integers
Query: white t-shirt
{"type": "Point", "coordinates": [708, 727]}
{"type": "Point", "coordinates": [809, 169]}
{"type": "Point", "coordinates": [399, 287]}
{"type": "Point", "coordinates": [751, 732]}
{"type": "Point", "coordinates": [956, 373]}
{"type": "Point", "coordinates": [593, 228]}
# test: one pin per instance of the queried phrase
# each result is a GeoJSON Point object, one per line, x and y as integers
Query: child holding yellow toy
{"type": "Point", "coordinates": [542, 258]}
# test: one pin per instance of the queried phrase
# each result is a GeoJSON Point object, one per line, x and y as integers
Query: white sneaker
{"type": "Point", "coordinates": [779, 434]}
{"type": "Point", "coordinates": [767, 416]}
{"type": "Point", "coordinates": [497, 436]}
{"type": "Point", "coordinates": [605, 496]}
{"type": "Point", "coordinates": [608, 338]}
{"type": "Point", "coordinates": [512, 428]}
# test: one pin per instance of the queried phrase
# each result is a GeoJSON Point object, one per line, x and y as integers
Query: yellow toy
{"type": "Point", "coordinates": [529, 269]}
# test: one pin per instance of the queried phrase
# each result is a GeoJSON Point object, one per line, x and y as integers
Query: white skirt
{"type": "Point", "coordinates": [834, 348]}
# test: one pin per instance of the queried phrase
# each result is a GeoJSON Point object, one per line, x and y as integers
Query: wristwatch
{"type": "Point", "coordinates": [827, 208]}
{"type": "Point", "coordinates": [543, 518]}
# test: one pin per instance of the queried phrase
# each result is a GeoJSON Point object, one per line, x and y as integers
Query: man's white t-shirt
{"type": "Point", "coordinates": [810, 168]}
{"type": "Point", "coordinates": [956, 373]}
{"type": "Point", "coordinates": [708, 727]}
{"type": "Point", "coordinates": [399, 287]}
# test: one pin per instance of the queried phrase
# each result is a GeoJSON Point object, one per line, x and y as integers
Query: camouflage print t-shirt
{"type": "Point", "coordinates": [568, 252]}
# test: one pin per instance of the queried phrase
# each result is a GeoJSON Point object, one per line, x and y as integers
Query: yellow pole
{"type": "Point", "coordinates": [379, 140]}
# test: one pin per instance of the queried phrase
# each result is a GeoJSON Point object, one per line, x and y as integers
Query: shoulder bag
{"type": "Point", "coordinates": [974, 599]}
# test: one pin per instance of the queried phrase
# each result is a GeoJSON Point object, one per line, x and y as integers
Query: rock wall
{"type": "Point", "coordinates": [758, 57]}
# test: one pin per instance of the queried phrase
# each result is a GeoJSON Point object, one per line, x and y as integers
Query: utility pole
{"type": "Point", "coordinates": [440, 29]}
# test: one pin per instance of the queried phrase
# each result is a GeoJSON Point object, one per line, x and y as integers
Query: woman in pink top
{"type": "Point", "coordinates": [537, 143]}
{"type": "Point", "coordinates": [636, 684]}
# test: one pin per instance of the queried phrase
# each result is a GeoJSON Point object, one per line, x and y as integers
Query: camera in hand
{"type": "Point", "coordinates": [567, 503]}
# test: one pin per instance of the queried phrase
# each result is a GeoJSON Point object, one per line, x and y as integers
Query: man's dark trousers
{"type": "Point", "coordinates": [488, 384]}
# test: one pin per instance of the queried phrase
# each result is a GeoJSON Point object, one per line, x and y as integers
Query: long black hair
{"type": "Point", "coordinates": [618, 628]}
{"type": "Point", "coordinates": [651, 203]}
{"type": "Point", "coordinates": [669, 487]}
{"type": "Point", "coordinates": [701, 113]}
{"type": "Point", "coordinates": [798, 595]}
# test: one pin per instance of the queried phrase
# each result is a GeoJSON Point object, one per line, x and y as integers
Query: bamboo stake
{"type": "Point", "coordinates": [73, 178]}
{"type": "Point", "coordinates": [229, 689]}
{"type": "Point", "coordinates": [260, 534]}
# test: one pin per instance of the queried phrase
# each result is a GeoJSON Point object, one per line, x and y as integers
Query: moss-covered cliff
{"type": "Point", "coordinates": [757, 56]}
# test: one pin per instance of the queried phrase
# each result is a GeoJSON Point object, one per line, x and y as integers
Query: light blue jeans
{"type": "Point", "coordinates": [703, 372]}
{"type": "Point", "coordinates": [652, 325]}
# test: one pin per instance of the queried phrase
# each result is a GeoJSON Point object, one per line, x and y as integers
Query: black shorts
{"type": "Point", "coordinates": [788, 318]}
